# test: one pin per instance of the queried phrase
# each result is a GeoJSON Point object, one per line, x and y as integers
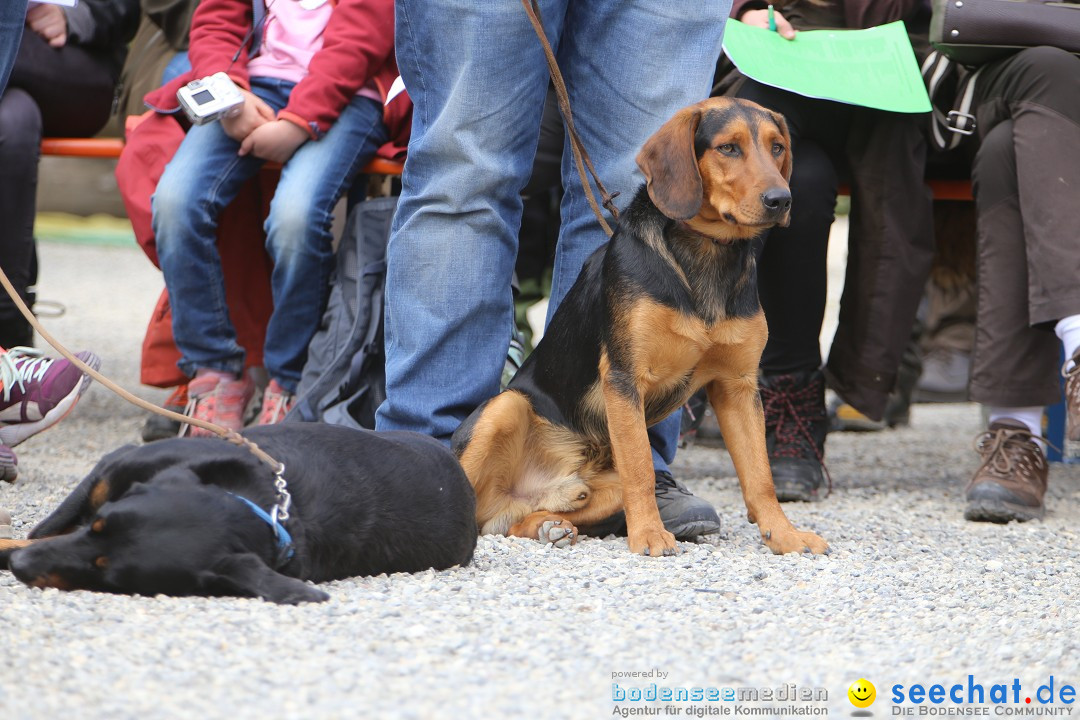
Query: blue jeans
{"type": "Point", "coordinates": [12, 20]}
{"type": "Point", "coordinates": [201, 179]}
{"type": "Point", "coordinates": [629, 64]}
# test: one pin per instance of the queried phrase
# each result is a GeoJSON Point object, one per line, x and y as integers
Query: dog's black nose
{"type": "Point", "coordinates": [776, 200]}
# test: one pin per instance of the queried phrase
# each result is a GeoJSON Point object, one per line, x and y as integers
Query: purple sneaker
{"type": "Point", "coordinates": [37, 392]}
{"type": "Point", "coordinates": [9, 465]}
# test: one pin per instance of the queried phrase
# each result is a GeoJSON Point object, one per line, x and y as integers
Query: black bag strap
{"type": "Point", "coordinates": [949, 127]}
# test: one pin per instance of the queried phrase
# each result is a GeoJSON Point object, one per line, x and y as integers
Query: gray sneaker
{"type": "Point", "coordinates": [685, 515]}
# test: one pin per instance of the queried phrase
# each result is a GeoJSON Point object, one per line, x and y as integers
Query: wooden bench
{"type": "Point", "coordinates": [111, 147]}
{"type": "Point", "coordinates": [942, 189]}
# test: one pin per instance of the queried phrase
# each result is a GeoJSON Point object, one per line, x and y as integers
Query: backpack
{"type": "Point", "coordinates": [344, 378]}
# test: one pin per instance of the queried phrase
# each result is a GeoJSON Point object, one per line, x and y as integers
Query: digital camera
{"type": "Point", "coordinates": [210, 98]}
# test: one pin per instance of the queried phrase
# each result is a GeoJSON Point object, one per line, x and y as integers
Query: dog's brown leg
{"type": "Point", "coordinates": [742, 422]}
{"type": "Point", "coordinates": [493, 457]}
{"type": "Point", "coordinates": [633, 460]}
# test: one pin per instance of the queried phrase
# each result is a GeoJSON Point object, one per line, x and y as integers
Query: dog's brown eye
{"type": "Point", "coordinates": [777, 149]}
{"type": "Point", "coordinates": [583, 496]}
{"type": "Point", "coordinates": [729, 149]}
{"type": "Point", "coordinates": [102, 562]}
{"type": "Point", "coordinates": [98, 526]}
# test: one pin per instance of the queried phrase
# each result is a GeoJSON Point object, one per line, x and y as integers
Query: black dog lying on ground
{"type": "Point", "coordinates": [191, 516]}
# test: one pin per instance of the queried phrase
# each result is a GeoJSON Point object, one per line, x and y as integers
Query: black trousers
{"type": "Point", "coordinates": [792, 260]}
{"type": "Point", "coordinates": [1026, 181]}
{"type": "Point", "coordinates": [52, 92]}
{"type": "Point", "coordinates": [883, 157]}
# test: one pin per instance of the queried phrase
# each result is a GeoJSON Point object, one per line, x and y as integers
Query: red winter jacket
{"type": "Point", "coordinates": [358, 47]}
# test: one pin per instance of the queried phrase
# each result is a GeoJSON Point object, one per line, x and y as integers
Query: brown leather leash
{"type": "Point", "coordinates": [222, 432]}
{"type": "Point", "coordinates": [581, 157]}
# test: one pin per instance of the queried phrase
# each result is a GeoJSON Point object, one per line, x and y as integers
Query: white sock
{"type": "Point", "coordinates": [1030, 416]}
{"type": "Point", "coordinates": [1068, 331]}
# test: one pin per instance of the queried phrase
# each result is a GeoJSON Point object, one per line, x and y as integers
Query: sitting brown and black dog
{"type": "Point", "coordinates": [668, 306]}
{"type": "Point", "coordinates": [192, 516]}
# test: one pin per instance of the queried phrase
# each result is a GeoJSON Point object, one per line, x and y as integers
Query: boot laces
{"type": "Point", "coordinates": [1011, 451]}
{"type": "Point", "coordinates": [788, 411]}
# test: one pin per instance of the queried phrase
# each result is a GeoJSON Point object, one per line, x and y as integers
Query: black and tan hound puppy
{"type": "Point", "coordinates": [191, 516]}
{"type": "Point", "coordinates": [668, 306]}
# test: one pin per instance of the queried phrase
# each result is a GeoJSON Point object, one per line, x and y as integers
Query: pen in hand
{"type": "Point", "coordinates": [772, 19]}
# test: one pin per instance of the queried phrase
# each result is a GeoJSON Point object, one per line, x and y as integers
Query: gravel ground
{"type": "Point", "coordinates": [910, 594]}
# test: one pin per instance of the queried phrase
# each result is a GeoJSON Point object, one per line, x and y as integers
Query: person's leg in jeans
{"type": "Point", "coordinates": [300, 240]}
{"type": "Point", "coordinates": [449, 307]}
{"type": "Point", "coordinates": [12, 21]}
{"type": "Point", "coordinates": [202, 178]}
{"type": "Point", "coordinates": [620, 96]}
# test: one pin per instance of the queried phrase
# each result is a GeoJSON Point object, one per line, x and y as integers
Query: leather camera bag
{"type": "Point", "coordinates": [973, 32]}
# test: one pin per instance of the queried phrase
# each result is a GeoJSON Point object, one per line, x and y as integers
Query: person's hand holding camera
{"type": "Point", "coordinates": [253, 113]}
{"type": "Point", "coordinates": [275, 141]}
{"type": "Point", "coordinates": [50, 22]}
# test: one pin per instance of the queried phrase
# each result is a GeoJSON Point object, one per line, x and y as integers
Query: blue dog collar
{"type": "Point", "coordinates": [285, 546]}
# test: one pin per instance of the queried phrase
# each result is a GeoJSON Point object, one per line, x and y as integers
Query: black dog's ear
{"type": "Point", "coordinates": [97, 488]}
{"type": "Point", "coordinates": [247, 575]}
{"type": "Point", "coordinates": [669, 162]}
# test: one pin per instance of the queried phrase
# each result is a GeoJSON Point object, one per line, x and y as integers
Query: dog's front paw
{"type": "Point", "coordinates": [558, 532]}
{"type": "Point", "coordinates": [652, 541]}
{"type": "Point", "coordinates": [794, 541]}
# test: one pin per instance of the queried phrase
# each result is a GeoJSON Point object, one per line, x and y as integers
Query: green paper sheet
{"type": "Point", "coordinates": [874, 68]}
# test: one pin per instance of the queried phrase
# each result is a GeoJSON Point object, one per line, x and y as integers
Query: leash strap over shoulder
{"type": "Point", "coordinates": [581, 157]}
{"type": "Point", "coordinates": [949, 128]}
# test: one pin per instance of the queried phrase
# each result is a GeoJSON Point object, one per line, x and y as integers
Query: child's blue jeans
{"type": "Point", "coordinates": [202, 178]}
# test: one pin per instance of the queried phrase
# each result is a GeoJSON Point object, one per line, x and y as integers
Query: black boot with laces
{"type": "Point", "coordinates": [795, 426]}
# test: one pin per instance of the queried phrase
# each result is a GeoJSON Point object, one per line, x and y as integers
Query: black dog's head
{"type": "Point", "coordinates": [722, 166]}
{"type": "Point", "coordinates": [172, 536]}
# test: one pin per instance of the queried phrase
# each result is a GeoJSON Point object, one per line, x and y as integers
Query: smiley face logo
{"type": "Point", "coordinates": [862, 693]}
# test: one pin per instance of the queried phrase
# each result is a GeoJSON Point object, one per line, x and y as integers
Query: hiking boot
{"type": "Point", "coordinates": [220, 398]}
{"type": "Point", "coordinates": [275, 403]}
{"type": "Point", "coordinates": [159, 427]}
{"type": "Point", "coordinates": [1011, 482]}
{"type": "Point", "coordinates": [37, 391]}
{"type": "Point", "coordinates": [684, 515]}
{"type": "Point", "coordinates": [845, 418]}
{"type": "Point", "coordinates": [1072, 397]}
{"type": "Point", "coordinates": [9, 464]}
{"type": "Point", "coordinates": [795, 428]}
{"type": "Point", "coordinates": [5, 525]}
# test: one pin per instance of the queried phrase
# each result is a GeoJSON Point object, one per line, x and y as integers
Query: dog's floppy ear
{"type": "Point", "coordinates": [785, 167]}
{"type": "Point", "coordinates": [97, 488]}
{"type": "Point", "coordinates": [246, 575]}
{"type": "Point", "coordinates": [669, 162]}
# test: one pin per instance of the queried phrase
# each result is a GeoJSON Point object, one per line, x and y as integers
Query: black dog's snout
{"type": "Point", "coordinates": [776, 200]}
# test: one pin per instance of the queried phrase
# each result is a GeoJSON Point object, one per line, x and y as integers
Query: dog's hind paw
{"type": "Point", "coordinates": [558, 532]}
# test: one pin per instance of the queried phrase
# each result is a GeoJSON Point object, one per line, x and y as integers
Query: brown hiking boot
{"type": "Point", "coordinates": [1011, 482]}
{"type": "Point", "coordinates": [1072, 397]}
